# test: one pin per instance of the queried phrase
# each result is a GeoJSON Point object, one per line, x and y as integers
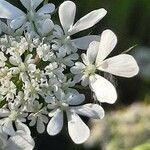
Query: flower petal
{"type": "Point", "coordinates": [18, 22]}
{"type": "Point", "coordinates": [83, 42]}
{"type": "Point", "coordinates": [56, 123]}
{"type": "Point", "coordinates": [40, 126]}
{"type": "Point", "coordinates": [31, 3]}
{"type": "Point", "coordinates": [78, 68]}
{"type": "Point", "coordinates": [46, 9]}
{"type": "Point", "coordinates": [35, 3]}
{"type": "Point", "coordinates": [103, 89]}
{"type": "Point", "coordinates": [26, 4]}
{"type": "Point", "coordinates": [67, 12]}
{"type": "Point", "coordinates": [23, 127]}
{"type": "Point", "coordinates": [94, 111]}
{"type": "Point", "coordinates": [78, 130]}
{"type": "Point", "coordinates": [88, 21]}
{"type": "Point", "coordinates": [92, 51]}
{"type": "Point", "coordinates": [8, 127]}
{"type": "Point", "coordinates": [4, 112]}
{"type": "Point", "coordinates": [85, 80]}
{"type": "Point", "coordinates": [21, 140]}
{"type": "Point", "coordinates": [107, 43]}
{"type": "Point", "coordinates": [75, 99]}
{"type": "Point", "coordinates": [9, 11]}
{"type": "Point", "coordinates": [77, 78]}
{"type": "Point", "coordinates": [47, 26]}
{"type": "Point", "coordinates": [123, 65]}
{"type": "Point", "coordinates": [85, 59]}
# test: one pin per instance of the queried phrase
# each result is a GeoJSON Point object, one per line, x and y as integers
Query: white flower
{"type": "Point", "coordinates": [31, 90]}
{"type": "Point", "coordinates": [67, 12]}
{"type": "Point", "coordinates": [2, 59]}
{"type": "Point", "coordinates": [66, 61]}
{"type": "Point", "coordinates": [45, 52]}
{"type": "Point", "coordinates": [5, 28]}
{"type": "Point", "coordinates": [19, 18]}
{"type": "Point", "coordinates": [123, 65]}
{"type": "Point", "coordinates": [7, 88]}
{"type": "Point", "coordinates": [21, 67]}
{"type": "Point", "coordinates": [8, 117]}
{"type": "Point", "coordinates": [21, 140]}
{"type": "Point", "coordinates": [16, 46]}
{"type": "Point", "coordinates": [38, 116]}
{"type": "Point", "coordinates": [78, 130]}
{"type": "Point", "coordinates": [3, 139]}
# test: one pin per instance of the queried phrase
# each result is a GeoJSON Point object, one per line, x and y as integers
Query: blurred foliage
{"type": "Point", "coordinates": [145, 146]}
{"type": "Point", "coordinates": [122, 130]}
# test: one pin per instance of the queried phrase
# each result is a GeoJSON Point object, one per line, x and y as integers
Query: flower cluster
{"type": "Point", "coordinates": [41, 72]}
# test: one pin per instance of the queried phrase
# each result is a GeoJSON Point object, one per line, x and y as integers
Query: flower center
{"type": "Point", "coordinates": [90, 69]}
{"type": "Point", "coordinates": [31, 15]}
{"type": "Point", "coordinates": [65, 39]}
{"type": "Point", "coordinates": [22, 67]}
{"type": "Point", "coordinates": [13, 115]}
{"type": "Point", "coordinates": [63, 105]}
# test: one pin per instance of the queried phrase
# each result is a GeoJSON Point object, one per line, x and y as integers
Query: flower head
{"type": "Point", "coordinates": [94, 60]}
{"type": "Point", "coordinates": [68, 103]}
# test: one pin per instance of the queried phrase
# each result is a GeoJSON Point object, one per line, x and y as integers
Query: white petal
{"type": "Point", "coordinates": [9, 11]}
{"type": "Point", "coordinates": [56, 123]}
{"type": "Point", "coordinates": [4, 112]}
{"type": "Point", "coordinates": [40, 126]}
{"type": "Point", "coordinates": [78, 130]}
{"type": "Point", "coordinates": [26, 3]}
{"type": "Point", "coordinates": [59, 94]}
{"type": "Point", "coordinates": [35, 3]}
{"type": "Point", "coordinates": [21, 140]}
{"type": "Point", "coordinates": [85, 80]}
{"type": "Point", "coordinates": [32, 68]}
{"type": "Point", "coordinates": [94, 111]}
{"type": "Point", "coordinates": [67, 12]}
{"type": "Point", "coordinates": [78, 68]}
{"type": "Point", "coordinates": [46, 9]}
{"type": "Point", "coordinates": [83, 42]}
{"type": "Point", "coordinates": [23, 127]}
{"type": "Point", "coordinates": [123, 65]}
{"type": "Point", "coordinates": [3, 140]}
{"type": "Point", "coordinates": [18, 22]}
{"type": "Point", "coordinates": [92, 51]}
{"type": "Point", "coordinates": [15, 60]}
{"type": "Point", "coordinates": [107, 43]}
{"type": "Point", "coordinates": [31, 3]}
{"type": "Point", "coordinates": [47, 26]}
{"type": "Point", "coordinates": [77, 78]}
{"type": "Point", "coordinates": [33, 121]}
{"type": "Point", "coordinates": [8, 127]}
{"type": "Point", "coordinates": [4, 28]}
{"type": "Point", "coordinates": [88, 21]}
{"type": "Point", "coordinates": [76, 99]}
{"type": "Point", "coordinates": [53, 112]}
{"type": "Point", "coordinates": [103, 89]}
{"type": "Point", "coordinates": [85, 59]}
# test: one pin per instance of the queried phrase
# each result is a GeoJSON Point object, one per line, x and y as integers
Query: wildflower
{"type": "Point", "coordinates": [67, 12]}
{"type": "Point", "coordinates": [38, 116]}
{"type": "Point", "coordinates": [77, 129]}
{"type": "Point", "coordinates": [123, 65]}
{"type": "Point", "coordinates": [21, 139]}
{"type": "Point", "coordinates": [19, 18]}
